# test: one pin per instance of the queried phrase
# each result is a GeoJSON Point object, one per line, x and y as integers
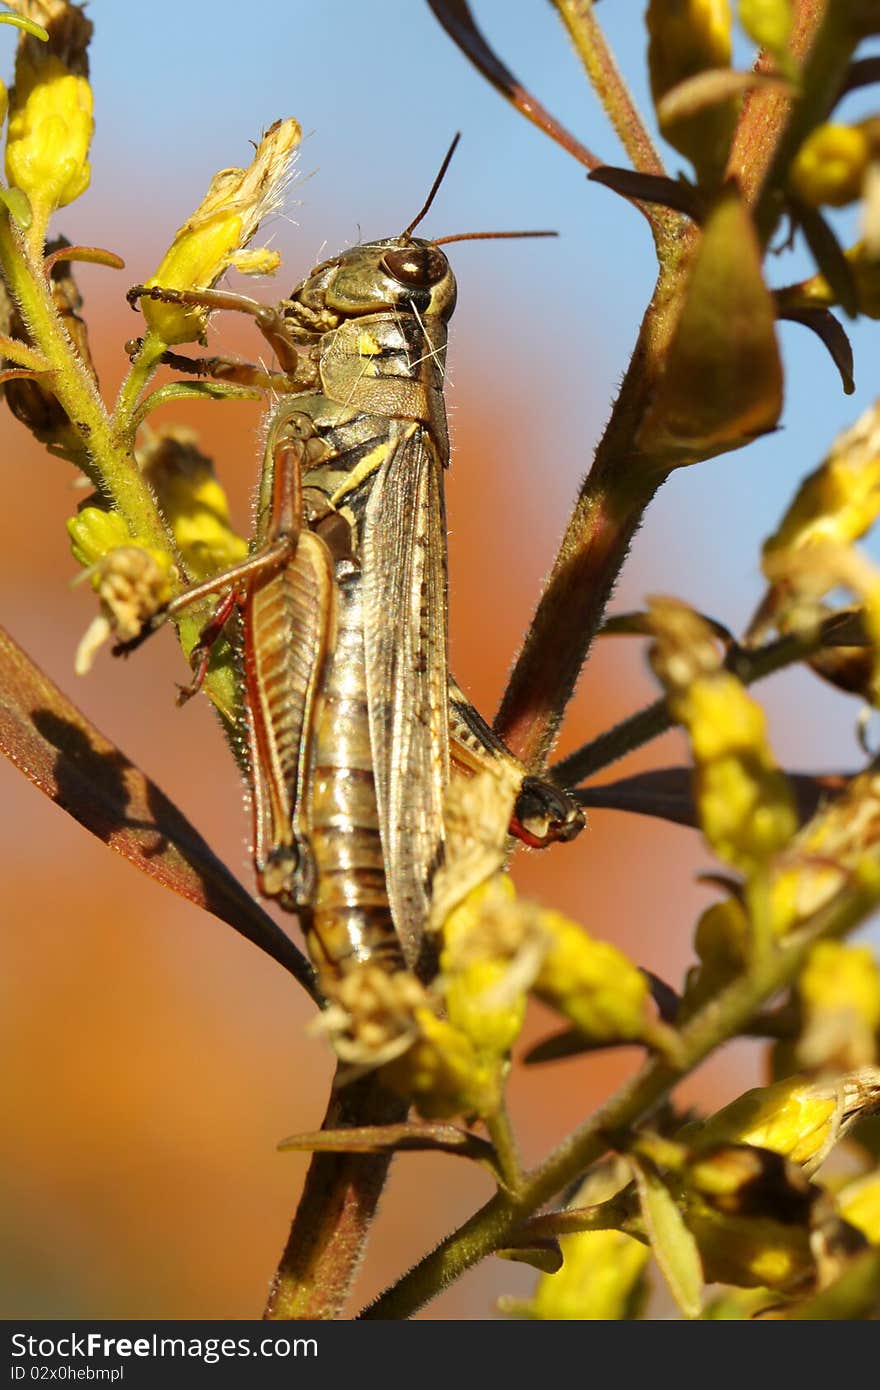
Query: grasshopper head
{"type": "Point", "coordinates": [402, 272]}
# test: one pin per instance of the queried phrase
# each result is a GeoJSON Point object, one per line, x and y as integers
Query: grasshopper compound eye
{"type": "Point", "coordinates": [419, 266]}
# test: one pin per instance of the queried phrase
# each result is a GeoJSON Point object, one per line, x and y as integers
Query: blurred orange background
{"type": "Point", "coordinates": [152, 1059]}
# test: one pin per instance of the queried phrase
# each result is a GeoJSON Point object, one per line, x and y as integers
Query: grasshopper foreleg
{"type": "Point", "coordinates": [295, 358]}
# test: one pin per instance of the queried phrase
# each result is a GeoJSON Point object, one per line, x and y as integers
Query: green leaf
{"type": "Point", "coordinates": [722, 383]}
{"type": "Point", "coordinates": [830, 258]}
{"type": "Point", "coordinates": [544, 1255]}
{"type": "Point", "coordinates": [17, 205]}
{"type": "Point", "coordinates": [675, 1249]}
{"type": "Point", "coordinates": [194, 391]}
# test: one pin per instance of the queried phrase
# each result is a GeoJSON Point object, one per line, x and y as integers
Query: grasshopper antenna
{"type": "Point", "coordinates": [485, 236]}
{"type": "Point", "coordinates": [434, 186]}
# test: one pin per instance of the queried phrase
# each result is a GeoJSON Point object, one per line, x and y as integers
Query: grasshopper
{"type": "Point", "coordinates": [354, 725]}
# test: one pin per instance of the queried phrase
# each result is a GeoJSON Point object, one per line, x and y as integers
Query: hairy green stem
{"type": "Point", "coordinates": [506, 1149]}
{"type": "Point", "coordinates": [723, 1017]}
{"type": "Point", "coordinates": [112, 469]}
{"type": "Point", "coordinates": [586, 34]}
{"type": "Point", "coordinates": [142, 368]}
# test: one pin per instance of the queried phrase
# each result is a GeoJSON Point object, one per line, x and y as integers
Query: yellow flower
{"type": "Point", "coordinates": [830, 166]}
{"type": "Point", "coordinates": [50, 116]}
{"type": "Point", "coordinates": [93, 532]}
{"type": "Point", "coordinates": [492, 948]}
{"type": "Point", "coordinates": [859, 1204]}
{"type": "Point", "coordinates": [745, 804]}
{"type": "Point", "coordinates": [214, 238]}
{"type": "Point", "coordinates": [838, 502]}
{"type": "Point", "coordinates": [800, 1118]}
{"type": "Point", "coordinates": [750, 1251]}
{"type": "Point", "coordinates": [602, 1278]}
{"type": "Point", "coordinates": [132, 583]}
{"type": "Point", "coordinates": [688, 37]}
{"type": "Point", "coordinates": [442, 1074]}
{"type": "Point", "coordinates": [192, 501]}
{"type": "Point", "coordinates": [592, 984]}
{"type": "Point", "coordinates": [839, 994]}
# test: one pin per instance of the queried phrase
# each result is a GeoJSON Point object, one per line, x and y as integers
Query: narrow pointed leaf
{"type": "Point", "coordinates": [640, 625]}
{"type": "Point", "coordinates": [71, 762]}
{"type": "Point", "coordinates": [714, 85]}
{"type": "Point", "coordinates": [570, 1042]}
{"type": "Point", "coordinates": [90, 255]}
{"type": "Point", "coordinates": [456, 18]}
{"type": "Point", "coordinates": [833, 335]}
{"type": "Point", "coordinates": [652, 188]}
{"type": "Point", "coordinates": [830, 259]}
{"type": "Point", "coordinates": [544, 1255]}
{"type": "Point", "coordinates": [675, 1249]}
{"type": "Point", "coordinates": [375, 1139]}
{"type": "Point", "coordinates": [668, 793]}
{"type": "Point", "coordinates": [194, 391]}
{"type": "Point", "coordinates": [722, 383]}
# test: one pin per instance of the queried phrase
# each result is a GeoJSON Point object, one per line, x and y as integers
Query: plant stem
{"type": "Point", "coordinates": [506, 1150]}
{"type": "Point", "coordinates": [112, 470]}
{"type": "Point", "coordinates": [655, 719]}
{"type": "Point", "coordinates": [142, 368]}
{"type": "Point", "coordinates": [333, 1218]}
{"type": "Point", "coordinates": [592, 48]}
{"type": "Point", "coordinates": [772, 125]}
{"type": "Point", "coordinates": [721, 1018]}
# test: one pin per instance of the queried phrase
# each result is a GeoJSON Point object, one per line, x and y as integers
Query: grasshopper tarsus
{"type": "Point", "coordinates": [545, 815]}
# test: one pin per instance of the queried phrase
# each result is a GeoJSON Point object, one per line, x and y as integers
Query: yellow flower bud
{"type": "Point", "coordinates": [859, 1204]}
{"type": "Point", "coordinates": [214, 238]}
{"type": "Point", "coordinates": [602, 1278]}
{"type": "Point", "coordinates": [93, 532]}
{"type": "Point", "coordinates": [721, 940]}
{"type": "Point", "coordinates": [768, 23]}
{"type": "Point", "coordinates": [746, 807]}
{"type": "Point", "coordinates": [492, 950]}
{"type": "Point", "coordinates": [799, 1118]}
{"type": "Point", "coordinates": [192, 501]}
{"type": "Point", "coordinates": [688, 37]}
{"type": "Point", "coordinates": [442, 1074]}
{"type": "Point", "coordinates": [592, 983]}
{"type": "Point", "coordinates": [839, 993]}
{"type": "Point", "coordinates": [132, 582]}
{"type": "Point", "coordinates": [50, 130]}
{"type": "Point", "coordinates": [750, 1251]}
{"type": "Point", "coordinates": [830, 166]}
{"type": "Point", "coordinates": [840, 501]}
